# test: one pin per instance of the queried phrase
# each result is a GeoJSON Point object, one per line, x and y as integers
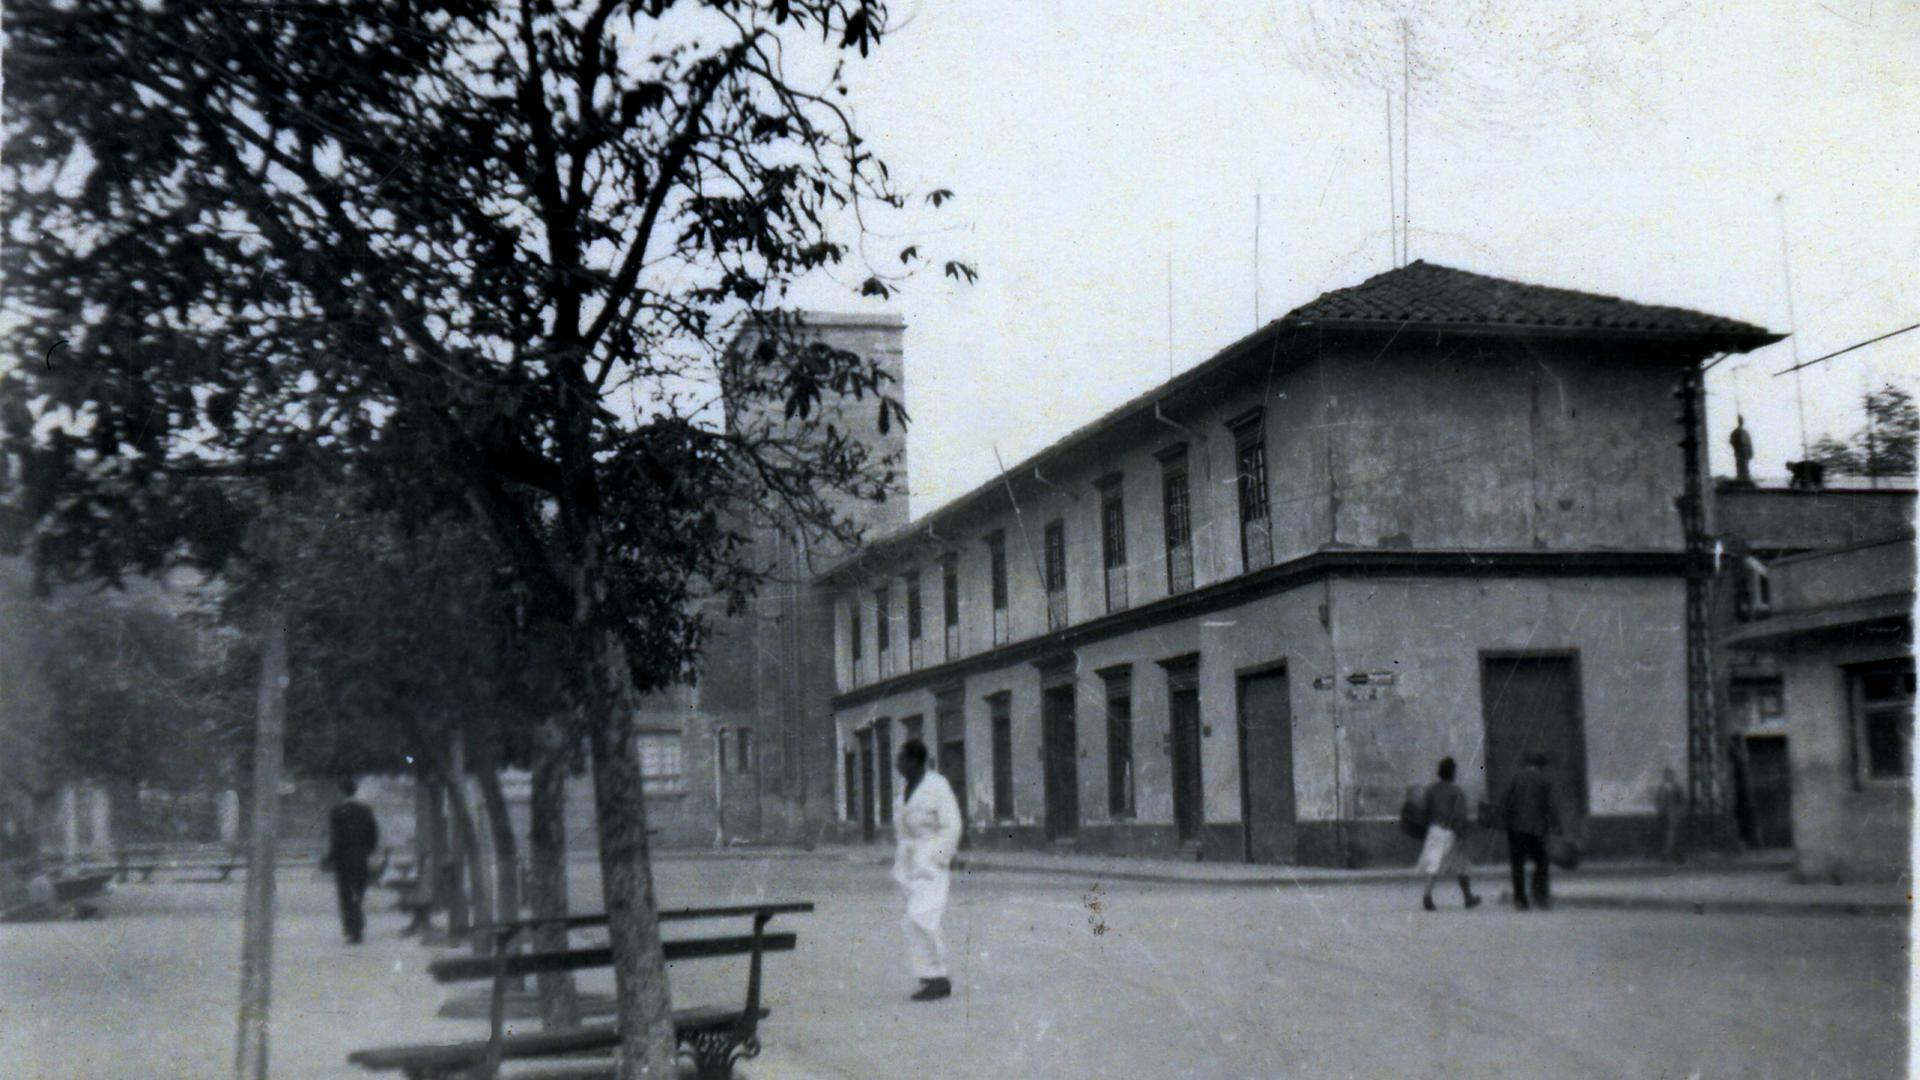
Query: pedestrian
{"type": "Point", "coordinates": [352, 835]}
{"type": "Point", "coordinates": [1445, 852]}
{"type": "Point", "coordinates": [1530, 816]}
{"type": "Point", "coordinates": [1671, 804]}
{"type": "Point", "coordinates": [927, 827]}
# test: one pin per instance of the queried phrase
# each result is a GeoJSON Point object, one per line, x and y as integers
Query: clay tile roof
{"type": "Point", "coordinates": [1424, 294]}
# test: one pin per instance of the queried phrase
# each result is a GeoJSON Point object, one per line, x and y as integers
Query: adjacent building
{"type": "Point", "coordinates": [746, 754]}
{"type": "Point", "coordinates": [1817, 640]}
{"type": "Point", "coordinates": [1431, 514]}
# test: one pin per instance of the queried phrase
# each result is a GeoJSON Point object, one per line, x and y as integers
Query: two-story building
{"type": "Point", "coordinates": [1431, 514]}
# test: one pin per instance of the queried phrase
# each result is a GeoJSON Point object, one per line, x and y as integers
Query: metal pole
{"type": "Point", "coordinates": [256, 947]}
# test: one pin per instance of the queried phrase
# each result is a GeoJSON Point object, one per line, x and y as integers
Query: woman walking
{"type": "Point", "coordinates": [1445, 850]}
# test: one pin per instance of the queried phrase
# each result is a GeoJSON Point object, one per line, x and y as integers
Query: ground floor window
{"type": "Point", "coordinates": [662, 770]}
{"type": "Point", "coordinates": [1882, 696]}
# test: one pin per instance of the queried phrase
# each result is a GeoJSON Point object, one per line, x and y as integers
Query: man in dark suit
{"type": "Point", "coordinates": [1531, 816]}
{"type": "Point", "coordinates": [352, 834]}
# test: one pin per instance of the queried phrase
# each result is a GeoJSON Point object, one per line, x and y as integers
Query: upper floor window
{"type": "Point", "coordinates": [1113, 542]}
{"type": "Point", "coordinates": [1056, 574]}
{"type": "Point", "coordinates": [997, 573]}
{"type": "Point", "coordinates": [882, 633]}
{"type": "Point", "coordinates": [855, 646]}
{"type": "Point", "coordinates": [1250, 467]}
{"type": "Point", "coordinates": [914, 656]}
{"type": "Point", "coordinates": [1882, 719]}
{"type": "Point", "coordinates": [1176, 511]}
{"type": "Point", "coordinates": [950, 602]}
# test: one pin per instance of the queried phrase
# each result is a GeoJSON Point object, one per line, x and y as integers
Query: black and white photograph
{"type": "Point", "coordinates": [818, 539]}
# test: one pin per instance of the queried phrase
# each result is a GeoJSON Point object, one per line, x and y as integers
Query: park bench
{"type": "Point", "coordinates": [712, 1036]}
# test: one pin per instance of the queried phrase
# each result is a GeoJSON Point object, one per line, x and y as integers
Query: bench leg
{"type": "Point", "coordinates": [714, 1053]}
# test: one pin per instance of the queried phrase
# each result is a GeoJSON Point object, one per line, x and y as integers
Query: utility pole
{"type": "Point", "coordinates": [1706, 793]}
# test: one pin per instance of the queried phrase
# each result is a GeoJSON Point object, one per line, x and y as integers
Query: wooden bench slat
{"type": "Point", "coordinates": [472, 968]}
{"type": "Point", "coordinates": [533, 1044]}
{"type": "Point", "coordinates": [580, 922]}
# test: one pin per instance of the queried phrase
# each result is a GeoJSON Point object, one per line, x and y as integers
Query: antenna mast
{"type": "Point", "coordinates": [1169, 314]}
{"type": "Point", "coordinates": [1256, 256]}
{"type": "Point", "coordinates": [1793, 323]}
{"type": "Point", "coordinates": [1406, 143]}
{"type": "Point", "coordinates": [1393, 204]}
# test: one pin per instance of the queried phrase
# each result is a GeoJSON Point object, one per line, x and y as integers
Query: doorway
{"type": "Point", "coordinates": [1266, 767]}
{"type": "Point", "coordinates": [1059, 748]}
{"type": "Point", "coordinates": [1770, 791]}
{"type": "Point", "coordinates": [866, 785]}
{"type": "Point", "coordinates": [1531, 702]}
{"type": "Point", "coordinates": [1183, 747]}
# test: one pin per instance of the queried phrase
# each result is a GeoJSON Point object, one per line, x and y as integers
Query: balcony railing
{"type": "Point", "coordinates": [953, 642]}
{"type": "Point", "coordinates": [916, 654]}
{"type": "Point", "coordinates": [1116, 588]}
{"type": "Point", "coordinates": [1002, 627]}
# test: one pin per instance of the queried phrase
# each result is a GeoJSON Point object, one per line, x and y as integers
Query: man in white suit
{"type": "Point", "coordinates": [927, 824]}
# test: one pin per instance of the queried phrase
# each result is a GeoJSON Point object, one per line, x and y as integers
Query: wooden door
{"type": "Point", "coordinates": [1061, 767]}
{"type": "Point", "coordinates": [1183, 745]}
{"type": "Point", "coordinates": [1532, 703]}
{"type": "Point", "coordinates": [866, 785]}
{"type": "Point", "coordinates": [1266, 768]}
{"type": "Point", "coordinates": [1770, 789]}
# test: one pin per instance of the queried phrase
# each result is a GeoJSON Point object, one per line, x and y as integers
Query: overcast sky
{"type": "Point", "coordinates": [1628, 148]}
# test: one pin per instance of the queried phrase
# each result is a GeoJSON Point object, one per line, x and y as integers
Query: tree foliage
{"type": "Point", "coordinates": [488, 257]}
{"type": "Point", "coordinates": [1883, 446]}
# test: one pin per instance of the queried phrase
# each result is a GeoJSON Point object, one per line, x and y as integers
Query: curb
{"type": "Point", "coordinates": [1682, 906]}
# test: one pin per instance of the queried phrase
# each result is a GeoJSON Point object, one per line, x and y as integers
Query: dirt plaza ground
{"type": "Point", "coordinates": [1055, 976]}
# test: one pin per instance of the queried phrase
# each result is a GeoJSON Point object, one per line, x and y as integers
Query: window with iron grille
{"type": "Point", "coordinates": [1056, 574]}
{"type": "Point", "coordinates": [1113, 543]}
{"type": "Point", "coordinates": [1177, 513]}
{"type": "Point", "coordinates": [854, 645]}
{"type": "Point", "coordinates": [661, 763]}
{"type": "Point", "coordinates": [950, 602]}
{"type": "Point", "coordinates": [1250, 462]}
{"type": "Point", "coordinates": [997, 573]}
{"type": "Point", "coordinates": [915, 657]}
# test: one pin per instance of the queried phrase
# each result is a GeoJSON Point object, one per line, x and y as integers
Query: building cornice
{"type": "Point", "coordinates": [1341, 562]}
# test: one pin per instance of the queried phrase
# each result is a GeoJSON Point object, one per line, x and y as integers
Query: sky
{"type": "Point", "coordinates": [1646, 150]}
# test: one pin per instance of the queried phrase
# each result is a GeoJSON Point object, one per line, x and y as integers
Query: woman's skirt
{"type": "Point", "coordinates": [1443, 855]}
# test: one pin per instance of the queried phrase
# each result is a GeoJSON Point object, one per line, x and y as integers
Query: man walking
{"type": "Point", "coordinates": [1445, 852]}
{"type": "Point", "coordinates": [352, 834]}
{"type": "Point", "coordinates": [927, 824]}
{"type": "Point", "coordinates": [1671, 804]}
{"type": "Point", "coordinates": [1531, 817]}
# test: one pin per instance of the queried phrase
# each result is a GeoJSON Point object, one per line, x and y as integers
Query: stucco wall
{"type": "Point", "coordinates": [1489, 446]}
{"type": "Point", "coordinates": [1354, 748]}
{"type": "Point", "coordinates": [1844, 827]}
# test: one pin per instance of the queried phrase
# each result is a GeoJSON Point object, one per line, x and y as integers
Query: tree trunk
{"type": "Point", "coordinates": [256, 948]}
{"type": "Point", "coordinates": [506, 847]}
{"type": "Point", "coordinates": [645, 1016]}
{"type": "Point", "coordinates": [506, 852]}
{"type": "Point", "coordinates": [467, 837]}
{"type": "Point", "coordinates": [547, 876]}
